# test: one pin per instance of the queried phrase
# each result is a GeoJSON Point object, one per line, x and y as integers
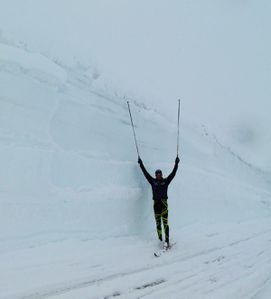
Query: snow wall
{"type": "Point", "coordinates": [69, 164]}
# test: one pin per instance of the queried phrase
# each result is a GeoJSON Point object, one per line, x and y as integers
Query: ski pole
{"type": "Point", "coordinates": [178, 135]}
{"type": "Point", "coordinates": [132, 124]}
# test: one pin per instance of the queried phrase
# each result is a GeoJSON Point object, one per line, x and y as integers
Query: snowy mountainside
{"type": "Point", "coordinates": [214, 54]}
{"type": "Point", "coordinates": [76, 213]}
{"type": "Point", "coordinates": [69, 162]}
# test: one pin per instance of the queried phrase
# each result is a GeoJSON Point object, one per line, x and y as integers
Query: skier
{"type": "Point", "coordinates": [159, 190]}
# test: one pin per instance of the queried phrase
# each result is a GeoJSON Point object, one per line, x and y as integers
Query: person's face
{"type": "Point", "coordinates": [159, 175]}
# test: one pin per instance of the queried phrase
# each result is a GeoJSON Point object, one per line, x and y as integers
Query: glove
{"type": "Point", "coordinates": [177, 160]}
{"type": "Point", "coordinates": [139, 161]}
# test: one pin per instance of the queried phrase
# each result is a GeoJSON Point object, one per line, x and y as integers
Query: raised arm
{"type": "Point", "coordinates": [173, 173]}
{"type": "Point", "coordinates": [145, 172]}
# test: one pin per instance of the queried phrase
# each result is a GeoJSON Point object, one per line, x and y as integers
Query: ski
{"type": "Point", "coordinates": [158, 253]}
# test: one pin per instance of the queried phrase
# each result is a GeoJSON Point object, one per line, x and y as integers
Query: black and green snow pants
{"type": "Point", "coordinates": [161, 214]}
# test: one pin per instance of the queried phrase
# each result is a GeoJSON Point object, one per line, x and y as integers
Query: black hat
{"type": "Point", "coordinates": [157, 171]}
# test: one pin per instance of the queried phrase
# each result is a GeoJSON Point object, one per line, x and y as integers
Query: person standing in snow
{"type": "Point", "coordinates": [159, 190]}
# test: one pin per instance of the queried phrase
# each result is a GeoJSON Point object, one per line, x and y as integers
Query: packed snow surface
{"type": "Point", "coordinates": [76, 217]}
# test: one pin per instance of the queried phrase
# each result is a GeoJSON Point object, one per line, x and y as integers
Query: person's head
{"type": "Point", "coordinates": [159, 174]}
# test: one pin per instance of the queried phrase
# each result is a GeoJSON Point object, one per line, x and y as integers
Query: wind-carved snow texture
{"type": "Point", "coordinates": [76, 213]}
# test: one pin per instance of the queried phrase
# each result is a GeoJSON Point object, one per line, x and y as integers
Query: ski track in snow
{"type": "Point", "coordinates": [239, 266]}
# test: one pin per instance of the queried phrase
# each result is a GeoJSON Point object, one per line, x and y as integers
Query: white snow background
{"type": "Point", "coordinates": [76, 215]}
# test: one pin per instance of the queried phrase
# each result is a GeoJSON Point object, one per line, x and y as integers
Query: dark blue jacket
{"type": "Point", "coordinates": [159, 187]}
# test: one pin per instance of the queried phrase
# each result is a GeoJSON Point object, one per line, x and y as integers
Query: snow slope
{"type": "Point", "coordinates": [76, 217]}
{"type": "Point", "coordinates": [70, 185]}
{"type": "Point", "coordinates": [213, 54]}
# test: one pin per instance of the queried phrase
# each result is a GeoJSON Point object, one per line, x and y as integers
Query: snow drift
{"type": "Point", "coordinates": [69, 162]}
{"type": "Point", "coordinates": [72, 196]}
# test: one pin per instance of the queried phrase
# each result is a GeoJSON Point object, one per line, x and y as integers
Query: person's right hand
{"type": "Point", "coordinates": [177, 160]}
{"type": "Point", "coordinates": [139, 161]}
